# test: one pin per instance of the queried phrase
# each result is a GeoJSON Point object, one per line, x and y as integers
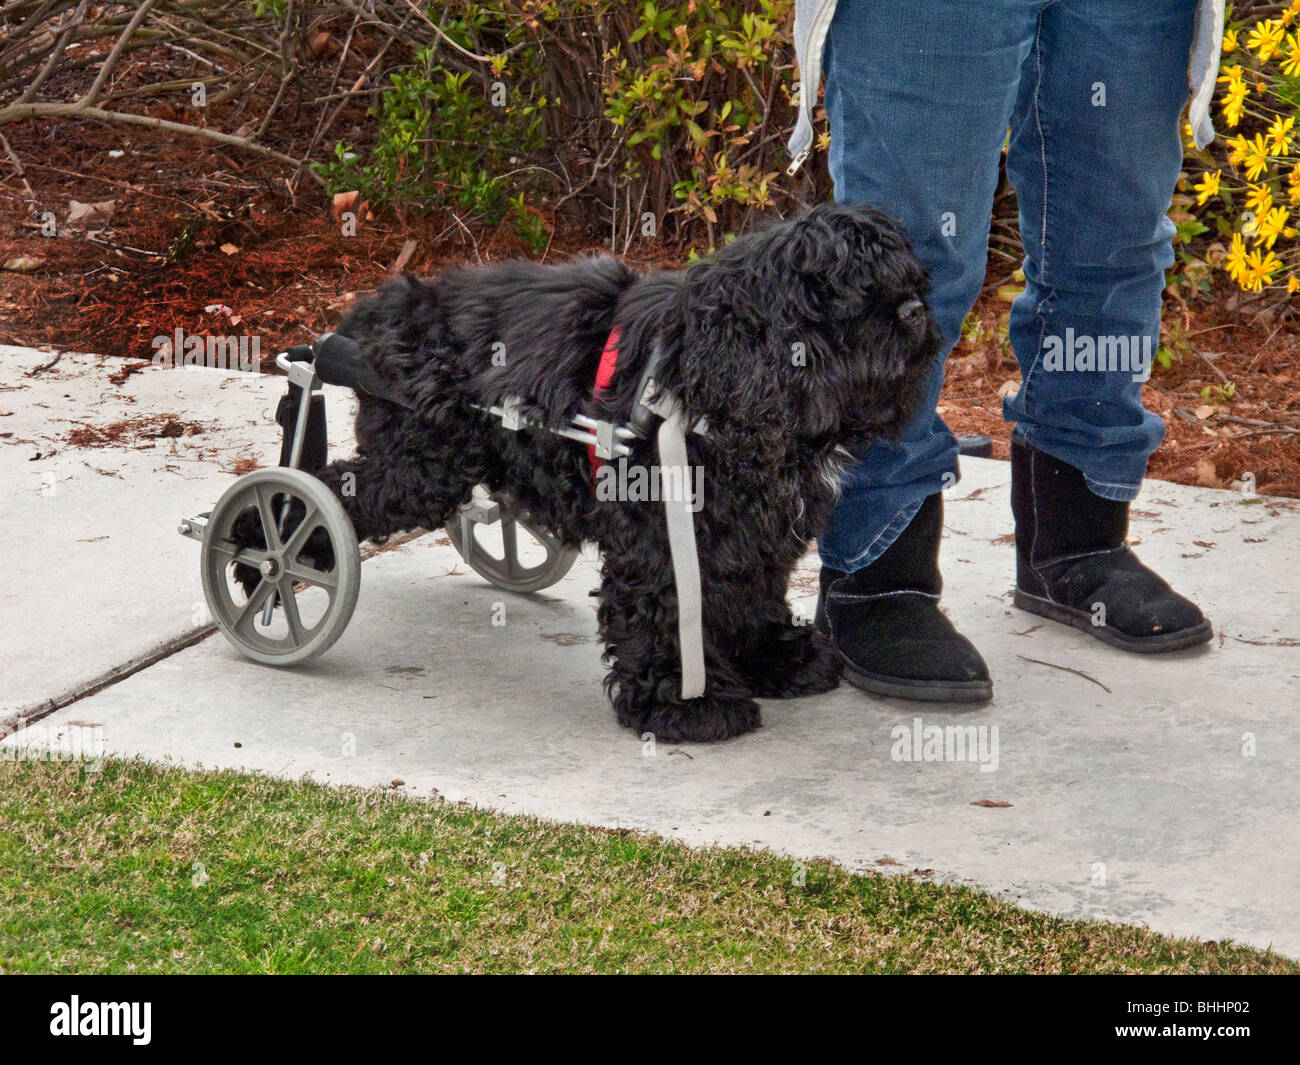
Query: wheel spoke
{"type": "Point", "coordinates": [311, 575]}
{"type": "Point", "coordinates": [264, 590]}
{"type": "Point", "coordinates": [308, 525]}
{"type": "Point", "coordinates": [247, 556]}
{"type": "Point", "coordinates": [297, 632]}
{"type": "Point", "coordinates": [270, 526]}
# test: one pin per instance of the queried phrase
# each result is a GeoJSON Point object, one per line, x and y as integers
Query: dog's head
{"type": "Point", "coordinates": [820, 321]}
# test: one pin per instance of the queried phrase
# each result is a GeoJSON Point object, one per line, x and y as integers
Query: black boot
{"type": "Point", "coordinates": [1073, 563]}
{"type": "Point", "coordinates": [886, 623]}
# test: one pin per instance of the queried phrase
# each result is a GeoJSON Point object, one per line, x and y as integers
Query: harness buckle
{"type": "Point", "coordinates": [604, 440]}
{"type": "Point", "coordinates": [510, 416]}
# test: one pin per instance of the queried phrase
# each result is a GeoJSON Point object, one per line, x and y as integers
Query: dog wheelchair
{"type": "Point", "coordinates": [291, 507]}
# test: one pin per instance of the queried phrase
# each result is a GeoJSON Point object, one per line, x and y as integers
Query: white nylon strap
{"type": "Point", "coordinates": [681, 542]}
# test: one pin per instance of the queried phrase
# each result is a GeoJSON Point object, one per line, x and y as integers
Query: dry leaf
{"type": "Point", "coordinates": [1204, 411]}
{"type": "Point", "coordinates": [229, 249]}
{"type": "Point", "coordinates": [1009, 388]}
{"type": "Point", "coordinates": [993, 803]}
{"type": "Point", "coordinates": [344, 201]}
{"type": "Point", "coordinates": [90, 215]}
{"type": "Point", "coordinates": [1207, 475]}
{"type": "Point", "coordinates": [24, 264]}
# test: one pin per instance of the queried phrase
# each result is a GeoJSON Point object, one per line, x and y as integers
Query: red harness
{"type": "Point", "coordinates": [604, 378]}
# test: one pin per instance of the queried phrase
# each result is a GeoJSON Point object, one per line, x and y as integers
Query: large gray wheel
{"type": "Point", "coordinates": [296, 611]}
{"type": "Point", "coordinates": [517, 567]}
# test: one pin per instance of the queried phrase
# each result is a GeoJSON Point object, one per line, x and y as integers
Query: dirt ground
{"type": "Point", "coordinates": [201, 238]}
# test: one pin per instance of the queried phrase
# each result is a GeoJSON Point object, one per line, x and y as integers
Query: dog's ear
{"type": "Point", "coordinates": [810, 246]}
{"type": "Point", "coordinates": [824, 266]}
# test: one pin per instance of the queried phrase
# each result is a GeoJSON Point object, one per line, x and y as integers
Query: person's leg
{"type": "Point", "coordinates": [919, 95]}
{"type": "Point", "coordinates": [1094, 154]}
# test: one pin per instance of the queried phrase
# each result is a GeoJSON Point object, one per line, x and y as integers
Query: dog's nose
{"type": "Point", "coordinates": [910, 311]}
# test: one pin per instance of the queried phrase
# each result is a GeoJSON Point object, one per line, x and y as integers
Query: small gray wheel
{"type": "Point", "coordinates": [509, 570]}
{"type": "Point", "coordinates": [287, 507]}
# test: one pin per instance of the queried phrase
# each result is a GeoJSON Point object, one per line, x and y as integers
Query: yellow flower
{"type": "Point", "coordinates": [1233, 102]}
{"type": "Point", "coordinates": [1230, 40]}
{"type": "Point", "coordinates": [1235, 261]}
{"type": "Point", "coordinates": [1259, 270]}
{"type": "Point", "coordinates": [1256, 157]}
{"type": "Point", "coordinates": [1230, 75]}
{"type": "Point", "coordinates": [1259, 198]}
{"type": "Point", "coordinates": [1292, 283]}
{"type": "Point", "coordinates": [1261, 87]}
{"type": "Point", "coordinates": [1279, 135]}
{"type": "Point", "coordinates": [1240, 146]}
{"type": "Point", "coordinates": [1272, 226]}
{"type": "Point", "coordinates": [1293, 186]}
{"type": "Point", "coordinates": [1291, 65]}
{"type": "Point", "coordinates": [1266, 38]}
{"type": "Point", "coordinates": [1208, 186]}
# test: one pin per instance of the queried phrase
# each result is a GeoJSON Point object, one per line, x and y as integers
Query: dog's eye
{"type": "Point", "coordinates": [910, 311]}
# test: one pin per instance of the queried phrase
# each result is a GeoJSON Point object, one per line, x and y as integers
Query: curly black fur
{"type": "Point", "coordinates": [795, 343]}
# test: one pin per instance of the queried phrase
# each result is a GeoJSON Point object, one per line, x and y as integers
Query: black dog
{"type": "Point", "coordinates": [795, 344]}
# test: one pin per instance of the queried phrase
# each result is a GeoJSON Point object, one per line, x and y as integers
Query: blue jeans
{"type": "Point", "coordinates": [920, 95]}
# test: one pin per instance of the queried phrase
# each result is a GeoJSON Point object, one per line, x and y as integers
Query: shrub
{"type": "Point", "coordinates": [651, 115]}
{"type": "Point", "coordinates": [1250, 197]}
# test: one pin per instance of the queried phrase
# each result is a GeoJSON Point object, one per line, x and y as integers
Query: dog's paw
{"type": "Point", "coordinates": [817, 671]}
{"type": "Point", "coordinates": [703, 720]}
{"type": "Point", "coordinates": [813, 670]}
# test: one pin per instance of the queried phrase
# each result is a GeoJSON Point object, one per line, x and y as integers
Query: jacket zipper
{"type": "Point", "coordinates": [808, 86]}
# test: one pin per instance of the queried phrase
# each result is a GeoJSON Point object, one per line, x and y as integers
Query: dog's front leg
{"type": "Point", "coordinates": [780, 657]}
{"type": "Point", "coordinates": [638, 622]}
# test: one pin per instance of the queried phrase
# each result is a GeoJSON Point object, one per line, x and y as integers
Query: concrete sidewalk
{"type": "Point", "coordinates": [95, 483]}
{"type": "Point", "coordinates": [1162, 790]}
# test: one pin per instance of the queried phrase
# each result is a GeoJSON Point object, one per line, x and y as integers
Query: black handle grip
{"type": "Point", "coordinates": [339, 362]}
{"type": "Point", "coordinates": [336, 355]}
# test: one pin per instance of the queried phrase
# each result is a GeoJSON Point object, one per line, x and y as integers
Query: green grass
{"type": "Point", "coordinates": [104, 872]}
